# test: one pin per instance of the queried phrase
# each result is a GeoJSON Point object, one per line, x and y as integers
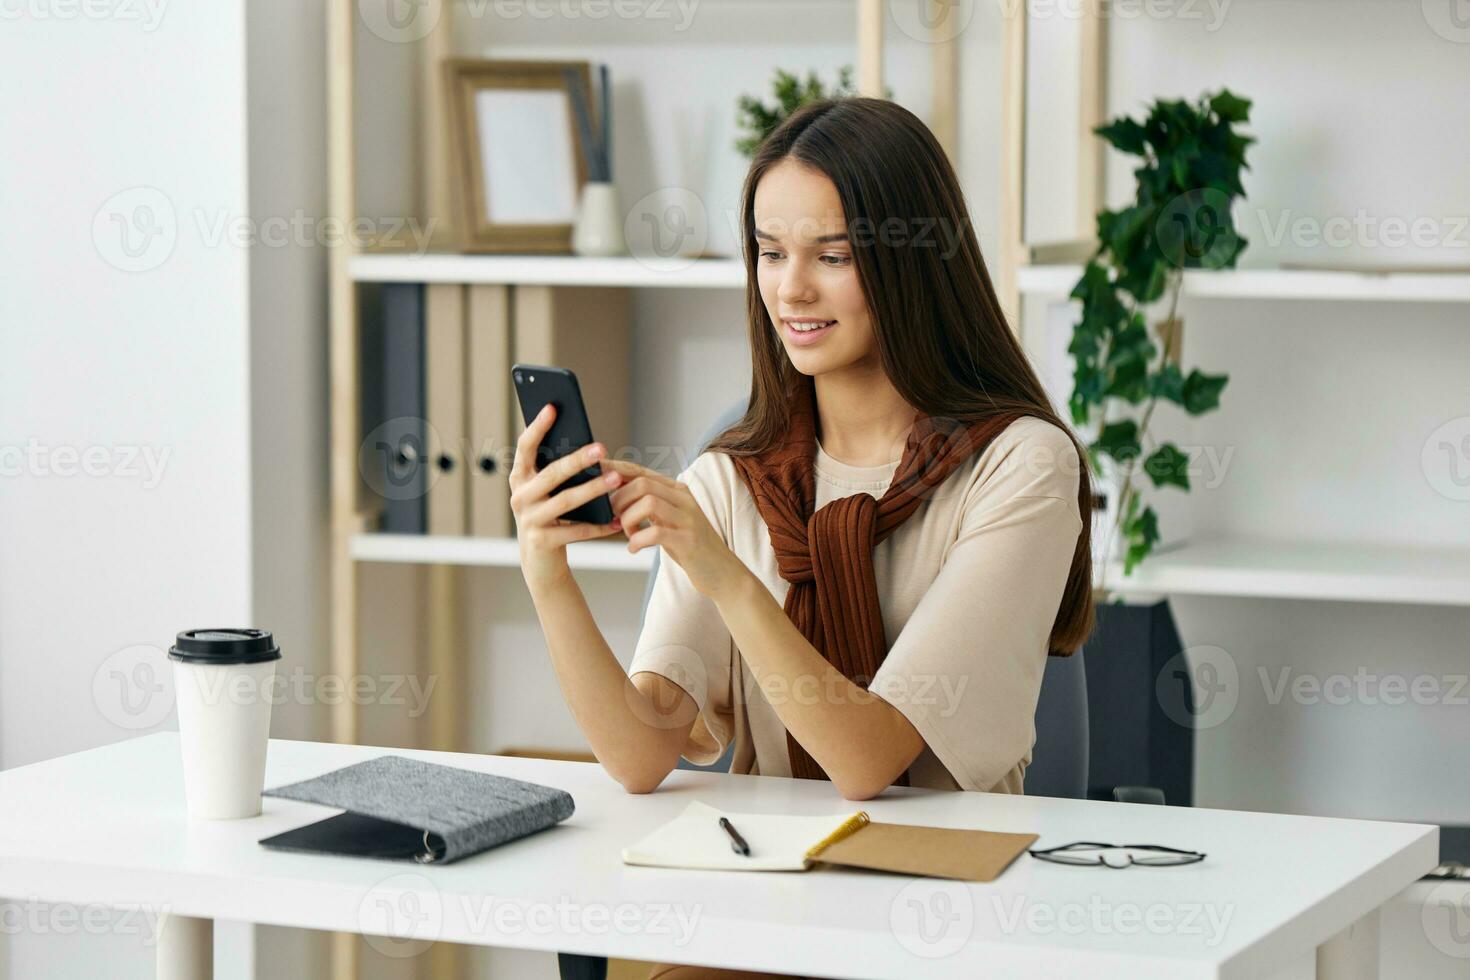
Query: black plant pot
{"type": "Point", "coordinates": [1140, 733]}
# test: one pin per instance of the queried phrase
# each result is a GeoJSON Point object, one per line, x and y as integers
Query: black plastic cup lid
{"type": "Point", "coordinates": [225, 646]}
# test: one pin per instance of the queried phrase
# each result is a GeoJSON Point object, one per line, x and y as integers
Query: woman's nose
{"type": "Point", "coordinates": [796, 286]}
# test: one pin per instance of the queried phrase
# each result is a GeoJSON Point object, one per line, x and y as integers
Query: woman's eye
{"type": "Point", "coordinates": [770, 255]}
{"type": "Point", "coordinates": [837, 259]}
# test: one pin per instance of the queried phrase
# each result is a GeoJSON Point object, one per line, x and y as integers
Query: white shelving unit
{"type": "Point", "coordinates": [424, 549]}
{"type": "Point", "coordinates": [1293, 570]}
{"type": "Point", "coordinates": [1302, 570]}
{"type": "Point", "coordinates": [1280, 284]}
{"type": "Point", "coordinates": [548, 270]}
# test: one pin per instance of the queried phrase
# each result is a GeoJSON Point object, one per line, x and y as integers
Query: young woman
{"type": "Point", "coordinates": [861, 579]}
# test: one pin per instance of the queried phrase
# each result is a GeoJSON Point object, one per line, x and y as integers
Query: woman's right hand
{"type": "Point", "coordinates": [542, 532]}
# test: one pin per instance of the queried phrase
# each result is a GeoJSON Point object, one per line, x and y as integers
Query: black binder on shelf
{"type": "Point", "coordinates": [397, 453]}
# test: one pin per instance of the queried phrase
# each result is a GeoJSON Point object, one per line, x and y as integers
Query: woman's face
{"type": "Point", "coordinates": [806, 272]}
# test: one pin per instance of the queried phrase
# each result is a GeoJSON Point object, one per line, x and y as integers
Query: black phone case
{"type": "Point", "coordinates": [569, 433]}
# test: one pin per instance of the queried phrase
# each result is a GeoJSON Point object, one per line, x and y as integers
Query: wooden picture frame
{"type": "Point", "coordinates": [516, 193]}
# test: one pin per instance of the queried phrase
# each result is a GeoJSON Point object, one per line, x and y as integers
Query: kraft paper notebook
{"type": "Point", "coordinates": [778, 842]}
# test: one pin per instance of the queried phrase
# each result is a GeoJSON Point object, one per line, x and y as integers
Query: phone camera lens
{"type": "Point", "coordinates": [518, 377]}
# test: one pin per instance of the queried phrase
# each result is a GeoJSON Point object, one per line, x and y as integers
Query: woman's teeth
{"type": "Point", "coordinates": [806, 327]}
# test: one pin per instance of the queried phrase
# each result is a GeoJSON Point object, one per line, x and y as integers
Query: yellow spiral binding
{"type": "Point", "coordinates": [849, 827]}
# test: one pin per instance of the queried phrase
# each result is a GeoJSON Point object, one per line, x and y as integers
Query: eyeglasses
{"type": "Point", "coordinates": [1117, 856]}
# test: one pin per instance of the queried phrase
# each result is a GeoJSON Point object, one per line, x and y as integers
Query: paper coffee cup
{"type": "Point", "coordinates": [222, 688]}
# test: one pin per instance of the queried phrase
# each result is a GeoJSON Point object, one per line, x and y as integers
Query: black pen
{"type": "Point", "coordinates": [737, 843]}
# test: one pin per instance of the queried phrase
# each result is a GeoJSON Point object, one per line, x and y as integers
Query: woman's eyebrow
{"type": "Point", "coordinates": [840, 236]}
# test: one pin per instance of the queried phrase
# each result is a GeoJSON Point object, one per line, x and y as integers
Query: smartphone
{"type": "Point", "coordinates": [538, 386]}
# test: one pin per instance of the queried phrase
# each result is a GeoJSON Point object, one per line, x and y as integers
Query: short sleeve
{"type": "Point", "coordinates": [966, 669]}
{"type": "Point", "coordinates": [684, 638]}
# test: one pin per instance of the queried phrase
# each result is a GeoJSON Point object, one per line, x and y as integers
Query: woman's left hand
{"type": "Point", "coordinates": [678, 525]}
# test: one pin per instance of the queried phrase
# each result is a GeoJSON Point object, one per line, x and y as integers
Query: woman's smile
{"type": "Point", "coordinates": [806, 330]}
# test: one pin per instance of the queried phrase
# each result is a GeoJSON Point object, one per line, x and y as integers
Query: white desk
{"type": "Point", "coordinates": [108, 826]}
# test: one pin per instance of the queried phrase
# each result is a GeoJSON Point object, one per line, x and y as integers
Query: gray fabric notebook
{"type": "Point", "coordinates": [403, 808]}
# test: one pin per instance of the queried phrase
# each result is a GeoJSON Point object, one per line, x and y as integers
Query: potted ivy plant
{"type": "Point", "coordinates": [1126, 349]}
{"type": "Point", "coordinates": [1180, 218]}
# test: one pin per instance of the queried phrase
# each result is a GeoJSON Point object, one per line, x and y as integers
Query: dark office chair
{"type": "Point", "coordinates": [1059, 760]}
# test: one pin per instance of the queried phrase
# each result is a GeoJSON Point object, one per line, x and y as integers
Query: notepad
{"type": "Point", "coordinates": [781, 842]}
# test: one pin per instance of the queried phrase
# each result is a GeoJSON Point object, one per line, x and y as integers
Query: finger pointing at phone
{"type": "Point", "coordinates": [675, 522]}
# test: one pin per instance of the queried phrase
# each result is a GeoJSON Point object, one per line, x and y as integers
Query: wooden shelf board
{"type": "Point", "coordinates": [426, 549]}
{"type": "Point", "coordinates": [1303, 570]}
{"type": "Point", "coordinates": [1298, 284]}
{"type": "Point", "coordinates": [548, 270]}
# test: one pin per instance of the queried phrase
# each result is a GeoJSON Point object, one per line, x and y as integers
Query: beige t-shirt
{"type": "Point", "coordinates": [969, 587]}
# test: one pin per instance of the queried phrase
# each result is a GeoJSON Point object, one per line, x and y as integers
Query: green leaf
{"type": "Point", "coordinates": [1132, 343]}
{"type": "Point", "coordinates": [1231, 107]}
{"type": "Point", "coordinates": [1129, 382]}
{"type": "Point", "coordinates": [1201, 391]}
{"type": "Point", "coordinates": [1125, 229]}
{"type": "Point", "coordinates": [1119, 440]}
{"type": "Point", "coordinates": [1168, 467]}
{"type": "Point", "coordinates": [1124, 134]}
{"type": "Point", "coordinates": [1168, 383]}
{"type": "Point", "coordinates": [1140, 533]}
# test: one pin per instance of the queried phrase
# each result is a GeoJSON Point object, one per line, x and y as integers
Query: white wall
{"type": "Point", "coordinates": [204, 351]}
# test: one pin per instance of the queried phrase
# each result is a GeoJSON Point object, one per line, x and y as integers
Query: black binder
{"type": "Point", "coordinates": [405, 809]}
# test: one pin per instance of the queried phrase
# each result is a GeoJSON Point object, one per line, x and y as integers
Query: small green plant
{"type": "Point", "coordinates": [758, 120]}
{"type": "Point", "coordinates": [1189, 179]}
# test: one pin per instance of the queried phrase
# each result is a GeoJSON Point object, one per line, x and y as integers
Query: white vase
{"type": "Point", "coordinates": [599, 226]}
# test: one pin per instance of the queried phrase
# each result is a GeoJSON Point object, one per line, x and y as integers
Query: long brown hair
{"type": "Point", "coordinates": [942, 338]}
